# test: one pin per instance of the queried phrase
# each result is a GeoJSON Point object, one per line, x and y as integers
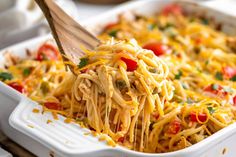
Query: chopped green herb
{"type": "Point", "coordinates": [190, 101]}
{"type": "Point", "coordinates": [184, 85]}
{"type": "Point", "coordinates": [233, 78]}
{"type": "Point", "coordinates": [199, 70]}
{"type": "Point", "coordinates": [211, 109]}
{"type": "Point", "coordinates": [171, 32]}
{"type": "Point", "coordinates": [191, 19]}
{"type": "Point", "coordinates": [168, 25]}
{"type": "Point", "coordinates": [45, 87]}
{"type": "Point", "coordinates": [5, 76]}
{"type": "Point", "coordinates": [206, 62]}
{"type": "Point", "coordinates": [215, 86]}
{"type": "Point", "coordinates": [177, 76]}
{"type": "Point", "coordinates": [113, 33]}
{"type": "Point", "coordinates": [120, 84]}
{"type": "Point", "coordinates": [26, 71]}
{"type": "Point", "coordinates": [152, 26]}
{"type": "Point", "coordinates": [153, 70]}
{"type": "Point", "coordinates": [204, 21]}
{"type": "Point", "coordinates": [219, 76]}
{"type": "Point", "coordinates": [83, 62]}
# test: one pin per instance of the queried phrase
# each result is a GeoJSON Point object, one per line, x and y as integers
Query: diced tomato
{"type": "Point", "coordinates": [198, 41]}
{"type": "Point", "coordinates": [202, 117]}
{"type": "Point", "coordinates": [229, 72]}
{"type": "Point", "coordinates": [172, 9]}
{"type": "Point", "coordinates": [121, 139]}
{"type": "Point", "coordinates": [17, 86]}
{"type": "Point", "coordinates": [234, 100]}
{"type": "Point", "coordinates": [131, 64]}
{"type": "Point", "coordinates": [174, 127]}
{"type": "Point", "coordinates": [53, 105]}
{"type": "Point", "coordinates": [47, 52]}
{"type": "Point", "coordinates": [110, 25]}
{"type": "Point", "coordinates": [216, 91]}
{"type": "Point", "coordinates": [84, 70]}
{"type": "Point", "coordinates": [212, 90]}
{"type": "Point", "coordinates": [179, 55]}
{"type": "Point", "coordinates": [157, 48]}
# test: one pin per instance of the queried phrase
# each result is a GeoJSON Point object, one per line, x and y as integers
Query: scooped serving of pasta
{"type": "Point", "coordinates": [156, 84]}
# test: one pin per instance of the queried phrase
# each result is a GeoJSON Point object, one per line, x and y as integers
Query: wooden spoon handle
{"type": "Point", "coordinates": [69, 35]}
{"type": "Point", "coordinates": [48, 16]}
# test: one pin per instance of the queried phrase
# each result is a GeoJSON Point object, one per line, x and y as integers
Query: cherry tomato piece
{"type": "Point", "coordinates": [53, 105]}
{"type": "Point", "coordinates": [216, 90]}
{"type": "Point", "coordinates": [121, 139]}
{"type": "Point", "coordinates": [131, 64]}
{"type": "Point", "coordinates": [47, 52]}
{"type": "Point", "coordinates": [172, 9]}
{"type": "Point", "coordinates": [211, 89]}
{"type": "Point", "coordinates": [174, 127]}
{"type": "Point", "coordinates": [234, 100]}
{"type": "Point", "coordinates": [229, 72]}
{"type": "Point", "coordinates": [202, 117]}
{"type": "Point", "coordinates": [157, 48]}
{"type": "Point", "coordinates": [17, 86]}
{"type": "Point", "coordinates": [110, 25]}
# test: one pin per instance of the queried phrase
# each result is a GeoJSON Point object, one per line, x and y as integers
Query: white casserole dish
{"type": "Point", "coordinates": [69, 139]}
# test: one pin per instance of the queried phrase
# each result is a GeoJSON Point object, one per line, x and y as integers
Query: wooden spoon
{"type": "Point", "coordinates": [70, 36]}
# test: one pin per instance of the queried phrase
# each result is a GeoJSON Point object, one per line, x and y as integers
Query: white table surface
{"type": "Point", "coordinates": [4, 153]}
{"type": "Point", "coordinates": [86, 10]}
